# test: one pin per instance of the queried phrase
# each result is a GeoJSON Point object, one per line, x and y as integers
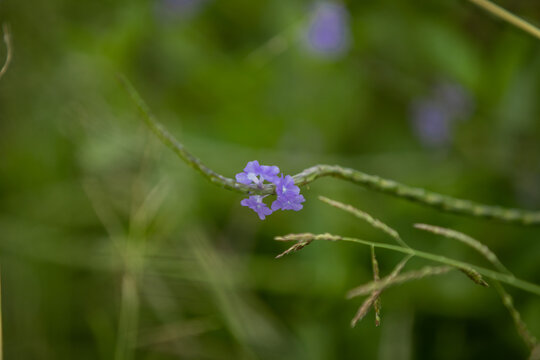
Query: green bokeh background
{"type": "Point", "coordinates": [110, 242]}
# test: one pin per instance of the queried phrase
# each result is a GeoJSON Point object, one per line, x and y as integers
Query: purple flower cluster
{"type": "Point", "coordinates": [288, 194]}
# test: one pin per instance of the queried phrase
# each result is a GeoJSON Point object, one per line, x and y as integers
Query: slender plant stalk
{"type": "Point", "coordinates": [419, 195]}
{"type": "Point", "coordinates": [507, 16]}
{"type": "Point", "coordinates": [7, 41]}
{"type": "Point", "coordinates": [376, 277]}
{"type": "Point", "coordinates": [127, 325]}
{"type": "Point", "coordinates": [505, 278]}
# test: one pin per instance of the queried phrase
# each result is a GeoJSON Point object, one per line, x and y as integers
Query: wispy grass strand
{"type": "Point", "coordinates": [366, 217]}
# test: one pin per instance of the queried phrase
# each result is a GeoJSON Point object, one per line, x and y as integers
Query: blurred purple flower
{"type": "Point", "coordinates": [433, 118]}
{"type": "Point", "coordinates": [179, 8]}
{"type": "Point", "coordinates": [288, 195]}
{"type": "Point", "coordinates": [430, 123]}
{"type": "Point", "coordinates": [455, 100]}
{"type": "Point", "coordinates": [329, 33]}
{"type": "Point", "coordinates": [255, 203]}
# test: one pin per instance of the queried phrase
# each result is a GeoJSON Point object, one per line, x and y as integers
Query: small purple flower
{"type": "Point", "coordinates": [329, 33]}
{"type": "Point", "coordinates": [256, 174]}
{"type": "Point", "coordinates": [255, 203]}
{"type": "Point", "coordinates": [285, 186]}
{"type": "Point", "coordinates": [288, 195]}
{"type": "Point", "coordinates": [292, 202]}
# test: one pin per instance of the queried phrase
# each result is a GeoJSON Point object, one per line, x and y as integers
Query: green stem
{"type": "Point", "coordinates": [505, 278]}
{"type": "Point", "coordinates": [421, 196]}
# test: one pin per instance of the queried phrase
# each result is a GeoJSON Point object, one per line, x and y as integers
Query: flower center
{"type": "Point", "coordinates": [254, 178]}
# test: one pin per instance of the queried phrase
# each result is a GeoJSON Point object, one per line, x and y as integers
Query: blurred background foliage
{"type": "Point", "coordinates": [112, 248]}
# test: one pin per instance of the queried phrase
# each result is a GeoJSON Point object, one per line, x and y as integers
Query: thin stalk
{"type": "Point", "coordinates": [127, 324]}
{"type": "Point", "coordinates": [507, 16]}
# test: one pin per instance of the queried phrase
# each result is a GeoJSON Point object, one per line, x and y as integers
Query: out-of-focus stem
{"type": "Point", "coordinates": [7, 41]}
{"type": "Point", "coordinates": [508, 17]}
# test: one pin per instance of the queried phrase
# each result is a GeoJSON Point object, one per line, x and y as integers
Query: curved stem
{"type": "Point", "coordinates": [419, 195]}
